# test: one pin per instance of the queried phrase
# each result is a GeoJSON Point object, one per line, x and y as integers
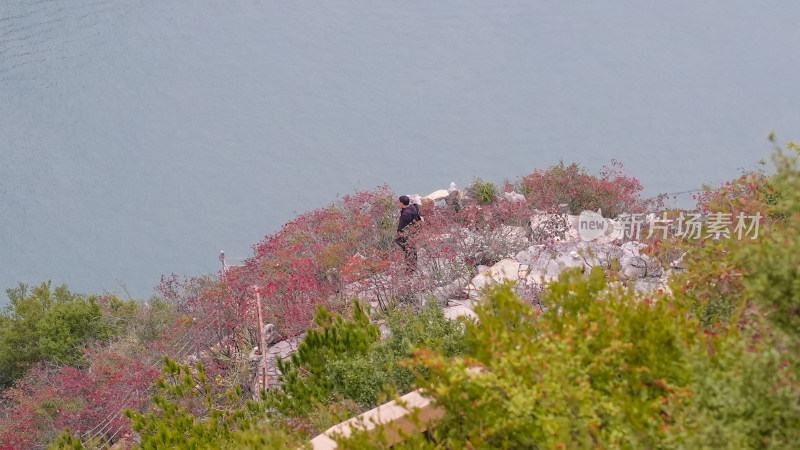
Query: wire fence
{"type": "Point", "coordinates": [109, 428]}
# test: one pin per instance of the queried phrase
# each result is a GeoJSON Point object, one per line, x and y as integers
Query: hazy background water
{"type": "Point", "coordinates": [139, 138]}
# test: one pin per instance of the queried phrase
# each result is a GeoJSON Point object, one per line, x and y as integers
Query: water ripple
{"type": "Point", "coordinates": [41, 36]}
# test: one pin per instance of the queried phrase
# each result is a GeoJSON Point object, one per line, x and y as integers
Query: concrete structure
{"type": "Point", "coordinates": [396, 417]}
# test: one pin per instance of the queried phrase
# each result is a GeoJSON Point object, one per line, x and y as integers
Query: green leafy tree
{"type": "Point", "coordinates": [66, 327]}
{"type": "Point", "coordinates": [364, 378]}
{"type": "Point", "coordinates": [342, 367]}
{"type": "Point", "coordinates": [46, 324]}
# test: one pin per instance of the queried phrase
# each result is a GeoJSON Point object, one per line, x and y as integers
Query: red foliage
{"type": "Point", "coordinates": [301, 265]}
{"type": "Point", "coordinates": [88, 401]}
{"type": "Point", "coordinates": [613, 191]}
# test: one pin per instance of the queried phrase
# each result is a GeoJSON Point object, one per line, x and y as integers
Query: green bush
{"type": "Point", "coordinates": [344, 359]}
{"type": "Point", "coordinates": [305, 376]}
{"type": "Point", "coordinates": [46, 324]}
{"type": "Point", "coordinates": [485, 191]}
{"type": "Point", "coordinates": [411, 328]}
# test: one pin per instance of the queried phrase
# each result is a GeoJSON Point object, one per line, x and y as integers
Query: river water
{"type": "Point", "coordinates": [139, 138]}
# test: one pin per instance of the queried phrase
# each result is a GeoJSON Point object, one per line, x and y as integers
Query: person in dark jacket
{"type": "Point", "coordinates": [409, 214]}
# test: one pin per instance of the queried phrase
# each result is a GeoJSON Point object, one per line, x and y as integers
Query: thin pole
{"type": "Point", "coordinates": [261, 345]}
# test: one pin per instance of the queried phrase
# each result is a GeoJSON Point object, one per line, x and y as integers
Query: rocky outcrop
{"type": "Point", "coordinates": [441, 194]}
{"type": "Point", "coordinates": [544, 263]}
{"type": "Point", "coordinates": [505, 270]}
{"type": "Point", "coordinates": [513, 197]}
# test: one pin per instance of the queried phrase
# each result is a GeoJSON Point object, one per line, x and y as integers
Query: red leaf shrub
{"type": "Point", "coordinates": [89, 401]}
{"type": "Point", "coordinates": [613, 191]}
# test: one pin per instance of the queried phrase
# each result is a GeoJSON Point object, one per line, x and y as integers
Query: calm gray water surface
{"type": "Point", "coordinates": [139, 138]}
